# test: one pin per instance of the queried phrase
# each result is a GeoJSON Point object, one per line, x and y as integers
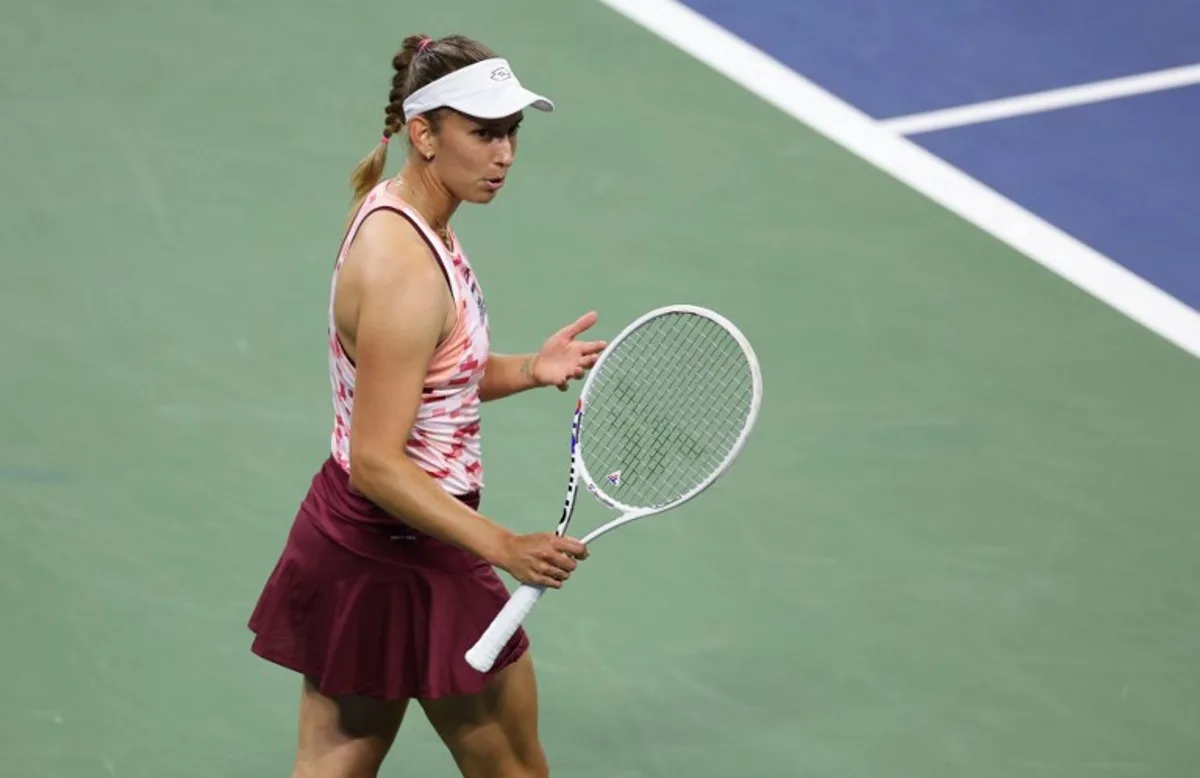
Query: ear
{"type": "Point", "coordinates": [420, 133]}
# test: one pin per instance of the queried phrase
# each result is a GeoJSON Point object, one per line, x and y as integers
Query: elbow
{"type": "Point", "coordinates": [367, 471]}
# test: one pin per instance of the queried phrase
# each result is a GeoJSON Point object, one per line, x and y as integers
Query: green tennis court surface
{"type": "Point", "coordinates": [960, 543]}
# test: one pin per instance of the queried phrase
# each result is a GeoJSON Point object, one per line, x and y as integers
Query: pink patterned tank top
{"type": "Point", "coordinates": [444, 440]}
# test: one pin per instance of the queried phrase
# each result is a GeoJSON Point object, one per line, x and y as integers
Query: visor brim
{"type": "Point", "coordinates": [501, 103]}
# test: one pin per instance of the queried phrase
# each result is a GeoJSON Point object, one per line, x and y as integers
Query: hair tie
{"type": "Point", "coordinates": [424, 42]}
{"type": "Point", "coordinates": [385, 140]}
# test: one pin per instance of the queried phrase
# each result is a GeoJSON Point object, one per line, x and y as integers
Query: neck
{"type": "Point", "coordinates": [426, 194]}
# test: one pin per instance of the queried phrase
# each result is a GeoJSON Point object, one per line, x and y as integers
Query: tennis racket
{"type": "Point", "coordinates": [661, 416]}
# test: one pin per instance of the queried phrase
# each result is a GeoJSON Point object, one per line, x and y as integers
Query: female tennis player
{"type": "Point", "coordinates": [387, 577]}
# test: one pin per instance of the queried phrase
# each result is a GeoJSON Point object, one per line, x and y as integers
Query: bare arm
{"type": "Point", "coordinates": [562, 358]}
{"type": "Point", "coordinates": [402, 306]}
{"type": "Point", "coordinates": [506, 375]}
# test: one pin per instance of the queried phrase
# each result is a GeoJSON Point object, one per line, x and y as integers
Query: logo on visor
{"type": "Point", "coordinates": [501, 74]}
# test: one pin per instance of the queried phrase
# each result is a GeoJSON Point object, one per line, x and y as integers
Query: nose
{"type": "Point", "coordinates": [505, 153]}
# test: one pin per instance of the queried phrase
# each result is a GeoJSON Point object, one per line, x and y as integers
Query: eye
{"type": "Point", "coordinates": [496, 132]}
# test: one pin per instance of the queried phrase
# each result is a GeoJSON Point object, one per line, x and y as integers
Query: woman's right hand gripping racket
{"type": "Point", "coordinates": [662, 415]}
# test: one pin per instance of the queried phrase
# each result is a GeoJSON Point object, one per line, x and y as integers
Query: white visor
{"type": "Point", "coordinates": [485, 90]}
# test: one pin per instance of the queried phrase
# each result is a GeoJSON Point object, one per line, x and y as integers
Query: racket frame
{"type": "Point", "coordinates": [483, 654]}
{"type": "Point", "coordinates": [579, 465]}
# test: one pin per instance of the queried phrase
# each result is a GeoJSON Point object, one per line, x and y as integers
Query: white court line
{"type": "Point", "coordinates": [943, 183]}
{"type": "Point", "coordinates": [1050, 100]}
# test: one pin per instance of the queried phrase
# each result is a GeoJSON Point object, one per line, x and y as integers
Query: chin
{"type": "Point", "coordinates": [481, 196]}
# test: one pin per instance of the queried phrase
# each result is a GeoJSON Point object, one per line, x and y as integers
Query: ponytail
{"type": "Point", "coordinates": [369, 170]}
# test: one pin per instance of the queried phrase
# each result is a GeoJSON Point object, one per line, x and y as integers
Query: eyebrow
{"type": "Point", "coordinates": [498, 124]}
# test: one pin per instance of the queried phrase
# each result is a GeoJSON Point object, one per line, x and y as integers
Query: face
{"type": "Point", "coordinates": [472, 156]}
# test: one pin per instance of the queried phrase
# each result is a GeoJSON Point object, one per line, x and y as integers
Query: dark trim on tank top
{"type": "Point", "coordinates": [424, 237]}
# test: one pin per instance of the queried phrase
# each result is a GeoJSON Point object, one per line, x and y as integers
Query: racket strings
{"type": "Point", "coordinates": [683, 441]}
{"type": "Point", "coordinates": [665, 410]}
{"type": "Point", "coordinates": [723, 439]}
{"type": "Point", "coordinates": [676, 452]}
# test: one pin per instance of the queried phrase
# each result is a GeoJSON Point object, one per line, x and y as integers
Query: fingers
{"type": "Point", "coordinates": [559, 568]}
{"type": "Point", "coordinates": [580, 325]}
{"type": "Point", "coordinates": [560, 561]}
{"type": "Point", "coordinates": [553, 571]}
{"type": "Point", "coordinates": [549, 578]}
{"type": "Point", "coordinates": [576, 373]}
{"type": "Point", "coordinates": [547, 559]}
{"type": "Point", "coordinates": [571, 547]}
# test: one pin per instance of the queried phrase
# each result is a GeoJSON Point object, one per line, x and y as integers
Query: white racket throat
{"type": "Point", "coordinates": [673, 399]}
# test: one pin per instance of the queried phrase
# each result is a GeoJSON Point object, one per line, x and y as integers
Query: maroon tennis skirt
{"type": "Point", "coordinates": [362, 604]}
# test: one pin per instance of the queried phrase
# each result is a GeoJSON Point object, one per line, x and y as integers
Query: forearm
{"type": "Point", "coordinates": [506, 375]}
{"type": "Point", "coordinates": [401, 488]}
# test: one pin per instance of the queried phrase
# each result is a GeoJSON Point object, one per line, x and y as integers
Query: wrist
{"type": "Point", "coordinates": [494, 548]}
{"type": "Point", "coordinates": [528, 370]}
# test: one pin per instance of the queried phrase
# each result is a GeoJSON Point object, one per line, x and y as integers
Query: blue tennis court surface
{"type": "Point", "coordinates": [1120, 176]}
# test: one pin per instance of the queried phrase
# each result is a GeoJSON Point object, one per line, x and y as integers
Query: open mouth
{"type": "Point", "coordinates": [494, 183]}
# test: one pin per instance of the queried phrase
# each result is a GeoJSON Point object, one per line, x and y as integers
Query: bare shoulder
{"type": "Point", "coordinates": [392, 282]}
{"type": "Point", "coordinates": [400, 304]}
{"type": "Point", "coordinates": [389, 250]}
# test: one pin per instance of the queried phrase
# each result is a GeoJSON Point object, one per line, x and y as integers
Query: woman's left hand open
{"type": "Point", "coordinates": [564, 357]}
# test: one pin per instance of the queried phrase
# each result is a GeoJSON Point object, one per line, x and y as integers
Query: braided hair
{"type": "Point", "coordinates": [420, 61]}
